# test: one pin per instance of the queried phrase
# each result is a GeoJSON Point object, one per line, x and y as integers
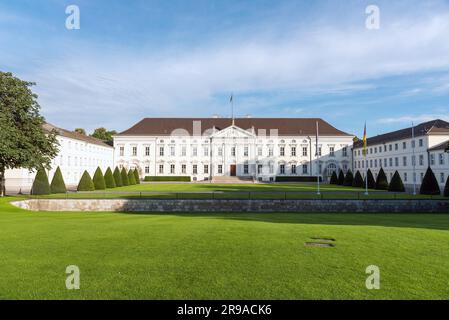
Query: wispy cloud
{"type": "Point", "coordinates": [415, 118]}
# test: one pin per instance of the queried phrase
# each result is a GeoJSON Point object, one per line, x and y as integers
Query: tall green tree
{"type": "Point", "coordinates": [396, 184]}
{"type": "Point", "coordinates": [348, 179]}
{"type": "Point", "coordinates": [446, 188]}
{"type": "Point", "coordinates": [371, 180]}
{"type": "Point", "coordinates": [136, 176]}
{"type": "Point", "coordinates": [40, 183]}
{"type": "Point", "coordinates": [358, 180]}
{"type": "Point", "coordinates": [131, 177]}
{"type": "Point", "coordinates": [118, 177]}
{"type": "Point", "coordinates": [98, 180]}
{"type": "Point", "coordinates": [80, 131]}
{"type": "Point", "coordinates": [57, 183]}
{"type": "Point", "coordinates": [341, 178]}
{"type": "Point", "coordinates": [125, 180]}
{"type": "Point", "coordinates": [382, 181]}
{"type": "Point", "coordinates": [109, 179]}
{"type": "Point", "coordinates": [86, 183]}
{"type": "Point", "coordinates": [103, 134]}
{"type": "Point", "coordinates": [429, 184]}
{"type": "Point", "coordinates": [23, 141]}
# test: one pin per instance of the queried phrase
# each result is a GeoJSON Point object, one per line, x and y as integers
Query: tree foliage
{"type": "Point", "coordinates": [103, 134]}
{"type": "Point", "coordinates": [118, 177]}
{"type": "Point", "coordinates": [446, 187]}
{"type": "Point", "coordinates": [86, 183]}
{"type": "Point", "coordinates": [334, 178]}
{"type": "Point", "coordinates": [24, 142]}
{"type": "Point", "coordinates": [136, 176]}
{"type": "Point", "coordinates": [348, 179]}
{"type": "Point", "coordinates": [396, 184]}
{"type": "Point", "coordinates": [131, 177]}
{"type": "Point", "coordinates": [80, 131]}
{"type": "Point", "coordinates": [382, 182]}
{"type": "Point", "coordinates": [109, 179]}
{"type": "Point", "coordinates": [341, 178]}
{"type": "Point", "coordinates": [40, 183]}
{"type": "Point", "coordinates": [125, 180]}
{"type": "Point", "coordinates": [98, 180]}
{"type": "Point", "coordinates": [429, 184]}
{"type": "Point", "coordinates": [371, 180]}
{"type": "Point", "coordinates": [57, 183]}
{"type": "Point", "coordinates": [358, 180]}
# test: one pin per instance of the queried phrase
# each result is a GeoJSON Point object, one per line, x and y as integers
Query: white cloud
{"type": "Point", "coordinates": [415, 119]}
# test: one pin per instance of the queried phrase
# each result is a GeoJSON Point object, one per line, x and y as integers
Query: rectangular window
{"type": "Point", "coordinates": [195, 169]}
{"type": "Point", "coordinates": [385, 163]}
{"type": "Point", "coordinates": [293, 169]}
{"type": "Point", "coordinates": [220, 169]}
{"type": "Point", "coordinates": [134, 151]}
{"type": "Point", "coordinates": [194, 152]}
{"type": "Point", "coordinates": [404, 161]}
{"type": "Point", "coordinates": [320, 151]}
{"type": "Point", "coordinates": [161, 169]}
{"type": "Point", "coordinates": [245, 151]}
{"type": "Point", "coordinates": [161, 151]}
{"type": "Point", "coordinates": [442, 180]}
{"type": "Point", "coordinates": [390, 147]}
{"type": "Point", "coordinates": [220, 151]}
{"type": "Point", "coordinates": [396, 162]}
{"type": "Point", "coordinates": [432, 159]}
{"type": "Point", "coordinates": [405, 176]}
{"type": "Point", "coordinates": [183, 169]}
{"type": "Point", "coordinates": [172, 151]}
{"type": "Point", "coordinates": [282, 151]}
{"type": "Point", "coordinates": [259, 169]}
{"type": "Point", "coordinates": [270, 151]}
{"type": "Point", "coordinates": [183, 151]}
{"type": "Point", "coordinates": [282, 169]}
{"type": "Point", "coordinates": [396, 146]}
{"type": "Point", "coordinates": [147, 151]}
{"type": "Point", "coordinates": [233, 151]}
{"type": "Point", "coordinates": [345, 152]}
{"type": "Point", "coordinates": [391, 162]}
{"type": "Point", "coordinates": [122, 151]}
{"type": "Point", "coordinates": [421, 160]}
{"type": "Point", "coordinates": [206, 169]}
{"type": "Point", "coordinates": [259, 151]}
{"type": "Point", "coordinates": [421, 142]}
{"type": "Point", "coordinates": [147, 170]}
{"type": "Point", "coordinates": [404, 145]}
{"type": "Point", "coordinates": [172, 169]}
{"type": "Point", "coordinates": [441, 158]}
{"type": "Point", "coordinates": [293, 151]}
{"type": "Point", "coordinates": [245, 169]}
{"type": "Point", "coordinates": [304, 152]}
{"type": "Point", "coordinates": [304, 169]}
{"type": "Point", "coordinates": [206, 151]}
{"type": "Point", "coordinates": [332, 151]}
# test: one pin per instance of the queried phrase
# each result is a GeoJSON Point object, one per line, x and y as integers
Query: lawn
{"type": "Point", "coordinates": [221, 256]}
{"type": "Point", "coordinates": [239, 191]}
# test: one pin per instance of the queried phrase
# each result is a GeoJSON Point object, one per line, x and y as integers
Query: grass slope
{"type": "Point", "coordinates": [221, 256]}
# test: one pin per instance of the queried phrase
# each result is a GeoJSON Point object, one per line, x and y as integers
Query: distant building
{"type": "Point", "coordinates": [398, 150]}
{"type": "Point", "coordinates": [252, 148]}
{"type": "Point", "coordinates": [77, 153]}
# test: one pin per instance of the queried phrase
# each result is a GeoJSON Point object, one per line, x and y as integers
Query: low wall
{"type": "Point", "coordinates": [305, 206]}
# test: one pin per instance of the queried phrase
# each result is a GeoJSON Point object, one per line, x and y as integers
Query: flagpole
{"type": "Point", "coordinates": [232, 108]}
{"type": "Point", "coordinates": [366, 162]}
{"type": "Point", "coordinates": [414, 159]}
{"type": "Point", "coordinates": [317, 164]}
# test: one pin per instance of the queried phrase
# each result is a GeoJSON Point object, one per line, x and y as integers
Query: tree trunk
{"type": "Point", "coordinates": [2, 182]}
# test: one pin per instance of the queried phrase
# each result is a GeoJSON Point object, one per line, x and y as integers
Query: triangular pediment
{"type": "Point", "coordinates": [233, 132]}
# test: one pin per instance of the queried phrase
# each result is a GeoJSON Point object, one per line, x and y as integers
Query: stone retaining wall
{"type": "Point", "coordinates": [304, 206]}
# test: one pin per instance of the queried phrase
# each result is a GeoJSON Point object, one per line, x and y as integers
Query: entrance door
{"type": "Point", "coordinates": [233, 170]}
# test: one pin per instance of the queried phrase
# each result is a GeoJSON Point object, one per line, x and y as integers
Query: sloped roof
{"type": "Point", "coordinates": [435, 127]}
{"type": "Point", "coordinates": [442, 146]}
{"type": "Point", "coordinates": [75, 135]}
{"type": "Point", "coordinates": [285, 126]}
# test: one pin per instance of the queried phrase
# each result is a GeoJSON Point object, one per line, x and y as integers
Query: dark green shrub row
{"type": "Point", "coordinates": [296, 179]}
{"type": "Point", "coordinates": [109, 180]}
{"type": "Point", "coordinates": [167, 178]}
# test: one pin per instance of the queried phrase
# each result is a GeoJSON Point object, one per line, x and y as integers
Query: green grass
{"type": "Point", "coordinates": [238, 191]}
{"type": "Point", "coordinates": [221, 256]}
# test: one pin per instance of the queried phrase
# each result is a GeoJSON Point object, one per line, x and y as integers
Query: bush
{"type": "Point", "coordinates": [396, 184]}
{"type": "Point", "coordinates": [382, 182]}
{"type": "Point", "coordinates": [358, 180]}
{"type": "Point", "coordinates": [341, 178]}
{"type": "Point", "coordinates": [168, 178]}
{"type": "Point", "coordinates": [109, 179]}
{"type": "Point", "coordinates": [371, 180]}
{"type": "Point", "coordinates": [125, 180]}
{"type": "Point", "coordinates": [40, 183]}
{"type": "Point", "coordinates": [136, 176]}
{"type": "Point", "coordinates": [297, 179]}
{"type": "Point", "coordinates": [57, 183]}
{"type": "Point", "coordinates": [334, 178]}
{"type": "Point", "coordinates": [86, 183]}
{"type": "Point", "coordinates": [446, 188]}
{"type": "Point", "coordinates": [98, 180]}
{"type": "Point", "coordinates": [429, 184]}
{"type": "Point", "coordinates": [348, 179]}
{"type": "Point", "coordinates": [131, 178]}
{"type": "Point", "coordinates": [118, 178]}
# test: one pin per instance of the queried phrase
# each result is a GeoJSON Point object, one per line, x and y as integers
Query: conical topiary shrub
{"type": "Point", "coordinates": [57, 183]}
{"type": "Point", "coordinates": [125, 180]}
{"type": "Point", "coordinates": [429, 184]}
{"type": "Point", "coordinates": [40, 183]}
{"type": "Point", "coordinates": [86, 183]}
{"type": "Point", "coordinates": [348, 179]}
{"type": "Point", "coordinates": [334, 178]}
{"type": "Point", "coordinates": [382, 182]}
{"type": "Point", "coordinates": [396, 184]}
{"type": "Point", "coordinates": [341, 178]}
{"type": "Point", "coordinates": [358, 180]}
{"type": "Point", "coordinates": [131, 178]}
{"type": "Point", "coordinates": [446, 188]}
{"type": "Point", "coordinates": [136, 176]}
{"type": "Point", "coordinates": [118, 177]}
{"type": "Point", "coordinates": [371, 180]}
{"type": "Point", "coordinates": [98, 180]}
{"type": "Point", "coordinates": [109, 179]}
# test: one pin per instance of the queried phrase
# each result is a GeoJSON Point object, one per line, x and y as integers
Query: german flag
{"type": "Point", "coordinates": [364, 140]}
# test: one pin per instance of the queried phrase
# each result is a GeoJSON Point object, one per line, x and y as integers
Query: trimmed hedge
{"type": "Point", "coordinates": [125, 180]}
{"type": "Point", "coordinates": [297, 179]}
{"type": "Point", "coordinates": [358, 180]}
{"type": "Point", "coordinates": [382, 182]}
{"type": "Point", "coordinates": [40, 183]}
{"type": "Point", "coordinates": [109, 179]}
{"type": "Point", "coordinates": [86, 183]}
{"type": "Point", "coordinates": [446, 188]}
{"type": "Point", "coordinates": [429, 185]}
{"type": "Point", "coordinates": [371, 180]}
{"type": "Point", "coordinates": [168, 178]}
{"type": "Point", "coordinates": [348, 179]}
{"type": "Point", "coordinates": [98, 180]}
{"type": "Point", "coordinates": [57, 183]}
{"type": "Point", "coordinates": [118, 178]}
{"type": "Point", "coordinates": [396, 184]}
{"type": "Point", "coordinates": [341, 178]}
{"type": "Point", "coordinates": [131, 177]}
{"type": "Point", "coordinates": [334, 178]}
{"type": "Point", "coordinates": [136, 176]}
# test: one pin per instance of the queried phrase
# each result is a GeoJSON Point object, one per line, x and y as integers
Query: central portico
{"type": "Point", "coordinates": [248, 148]}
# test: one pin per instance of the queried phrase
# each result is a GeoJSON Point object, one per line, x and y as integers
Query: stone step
{"type": "Point", "coordinates": [228, 179]}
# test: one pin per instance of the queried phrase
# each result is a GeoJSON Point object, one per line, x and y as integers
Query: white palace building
{"type": "Point", "coordinates": [258, 149]}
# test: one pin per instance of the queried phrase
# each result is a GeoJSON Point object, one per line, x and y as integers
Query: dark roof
{"type": "Point", "coordinates": [74, 135]}
{"type": "Point", "coordinates": [285, 126]}
{"type": "Point", "coordinates": [442, 146]}
{"type": "Point", "coordinates": [431, 127]}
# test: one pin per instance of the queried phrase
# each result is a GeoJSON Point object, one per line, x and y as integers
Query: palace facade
{"type": "Point", "coordinates": [254, 148]}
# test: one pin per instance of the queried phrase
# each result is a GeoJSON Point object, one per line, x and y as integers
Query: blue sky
{"type": "Point", "coordinates": [134, 59]}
